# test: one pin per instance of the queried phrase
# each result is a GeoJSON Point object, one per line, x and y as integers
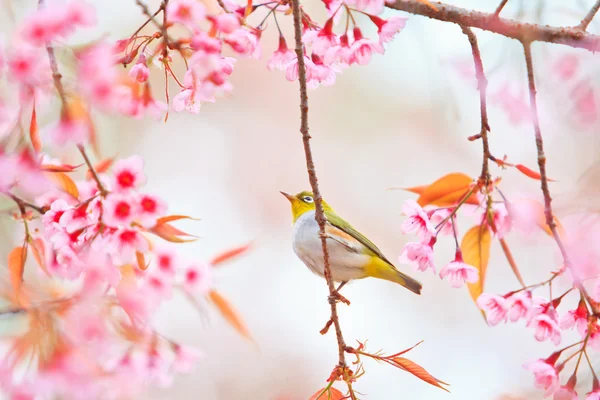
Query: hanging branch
{"type": "Point", "coordinates": [522, 31]}
{"type": "Point", "coordinates": [342, 368]}
{"type": "Point", "coordinates": [590, 16]}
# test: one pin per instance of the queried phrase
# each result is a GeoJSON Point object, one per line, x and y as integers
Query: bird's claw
{"type": "Point", "coordinates": [336, 297]}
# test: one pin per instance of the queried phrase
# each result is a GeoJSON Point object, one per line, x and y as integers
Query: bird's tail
{"type": "Point", "coordinates": [382, 270]}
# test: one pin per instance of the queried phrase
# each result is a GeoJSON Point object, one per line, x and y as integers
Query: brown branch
{"type": "Point", "coordinates": [56, 75]}
{"type": "Point", "coordinates": [522, 31]}
{"type": "Point", "coordinates": [500, 7]}
{"type": "Point", "coordinates": [101, 188]}
{"type": "Point", "coordinates": [590, 16]}
{"type": "Point", "coordinates": [312, 176]}
{"type": "Point", "coordinates": [539, 142]}
{"type": "Point", "coordinates": [162, 27]}
{"type": "Point", "coordinates": [22, 204]}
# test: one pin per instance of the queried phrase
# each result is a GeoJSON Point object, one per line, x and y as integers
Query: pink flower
{"type": "Point", "coordinates": [566, 66]}
{"type": "Point", "coordinates": [244, 42]}
{"type": "Point", "coordinates": [593, 395]}
{"type": "Point", "coordinates": [97, 77]}
{"type": "Point", "coordinates": [42, 26]}
{"type": "Point", "coordinates": [159, 285]}
{"type": "Point", "coordinates": [190, 100]}
{"type": "Point", "coordinates": [26, 66]}
{"type": "Point", "coordinates": [495, 307]}
{"type": "Point", "coordinates": [80, 217]}
{"type": "Point", "coordinates": [185, 358]}
{"type": "Point", "coordinates": [226, 23]}
{"type": "Point", "coordinates": [321, 74]}
{"type": "Point", "coordinates": [513, 104]}
{"type": "Point", "coordinates": [417, 221]}
{"type": "Point", "coordinates": [584, 97]}
{"type": "Point", "coordinates": [125, 242]}
{"type": "Point", "coordinates": [546, 327]}
{"type": "Point", "coordinates": [80, 13]}
{"type": "Point", "coordinates": [119, 210]}
{"type": "Point", "coordinates": [368, 6]}
{"type": "Point", "coordinates": [341, 54]}
{"type": "Point", "coordinates": [321, 40]}
{"type": "Point", "coordinates": [578, 317]}
{"type": "Point", "coordinates": [140, 71]}
{"type": "Point", "coordinates": [419, 255]}
{"type": "Point", "coordinates": [387, 29]}
{"type": "Point", "coordinates": [546, 376]}
{"type": "Point", "coordinates": [166, 260]}
{"type": "Point", "coordinates": [594, 340]}
{"type": "Point", "coordinates": [202, 41]}
{"type": "Point", "coordinates": [128, 174]}
{"type": "Point", "coordinates": [520, 305]}
{"type": "Point", "coordinates": [281, 57]}
{"type": "Point", "coordinates": [291, 70]}
{"type": "Point", "coordinates": [440, 215]}
{"type": "Point", "coordinates": [502, 221]}
{"type": "Point", "coordinates": [363, 48]}
{"type": "Point", "coordinates": [197, 278]}
{"type": "Point", "coordinates": [565, 393]}
{"type": "Point", "coordinates": [69, 131]}
{"type": "Point", "coordinates": [149, 209]}
{"type": "Point", "coordinates": [458, 272]}
{"type": "Point", "coordinates": [187, 12]}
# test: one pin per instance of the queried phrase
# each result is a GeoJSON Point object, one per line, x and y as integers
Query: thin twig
{"type": "Point", "coordinates": [312, 176]}
{"type": "Point", "coordinates": [524, 32]}
{"type": "Point", "coordinates": [500, 7]}
{"type": "Point", "coordinates": [22, 204]}
{"type": "Point", "coordinates": [101, 188]}
{"type": "Point", "coordinates": [56, 75]}
{"type": "Point", "coordinates": [138, 30]}
{"type": "Point", "coordinates": [590, 16]}
{"type": "Point", "coordinates": [539, 142]}
{"type": "Point", "coordinates": [162, 27]}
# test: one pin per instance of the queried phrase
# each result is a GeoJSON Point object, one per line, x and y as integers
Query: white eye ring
{"type": "Point", "coordinates": [307, 199]}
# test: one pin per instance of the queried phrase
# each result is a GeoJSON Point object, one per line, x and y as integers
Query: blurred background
{"type": "Point", "coordinates": [401, 121]}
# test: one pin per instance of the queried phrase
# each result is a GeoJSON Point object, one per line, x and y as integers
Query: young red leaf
{"type": "Point", "coordinates": [16, 266]}
{"type": "Point", "coordinates": [59, 168]}
{"type": "Point", "coordinates": [171, 218]}
{"type": "Point", "coordinates": [34, 133]}
{"type": "Point", "coordinates": [170, 234]}
{"type": "Point", "coordinates": [448, 190]}
{"type": "Point", "coordinates": [415, 189]}
{"type": "Point", "coordinates": [141, 261]}
{"type": "Point", "coordinates": [229, 254]}
{"type": "Point", "coordinates": [530, 173]}
{"type": "Point", "coordinates": [229, 313]}
{"type": "Point", "coordinates": [38, 250]}
{"type": "Point", "coordinates": [418, 371]}
{"type": "Point", "coordinates": [475, 247]}
{"type": "Point", "coordinates": [330, 393]}
{"type": "Point", "coordinates": [65, 183]}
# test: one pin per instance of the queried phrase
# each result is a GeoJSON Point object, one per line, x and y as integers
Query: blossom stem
{"type": "Point", "coordinates": [103, 191]}
{"type": "Point", "coordinates": [460, 203]}
{"type": "Point", "coordinates": [590, 364]}
{"type": "Point", "coordinates": [500, 7]}
{"type": "Point", "coordinates": [312, 175]}
{"type": "Point", "coordinates": [590, 16]}
{"type": "Point", "coordinates": [56, 75]}
{"type": "Point", "coordinates": [22, 204]}
{"type": "Point", "coordinates": [138, 30]}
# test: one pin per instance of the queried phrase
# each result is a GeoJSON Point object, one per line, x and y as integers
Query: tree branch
{"type": "Point", "coordinates": [312, 176]}
{"type": "Point", "coordinates": [590, 16]}
{"type": "Point", "coordinates": [500, 7]}
{"type": "Point", "coordinates": [522, 31]}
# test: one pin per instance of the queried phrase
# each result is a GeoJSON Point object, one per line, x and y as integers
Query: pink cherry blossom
{"type": "Point", "coordinates": [419, 255]}
{"type": "Point", "coordinates": [437, 215]}
{"type": "Point", "coordinates": [26, 65]}
{"type": "Point", "coordinates": [78, 12]}
{"type": "Point", "coordinates": [149, 209]}
{"type": "Point", "coordinates": [197, 278]}
{"type": "Point", "coordinates": [387, 29]}
{"type": "Point", "coordinates": [281, 57]}
{"type": "Point", "coordinates": [166, 260]}
{"type": "Point", "coordinates": [502, 220]}
{"type": "Point", "coordinates": [513, 104]}
{"type": "Point", "coordinates": [546, 376]}
{"type": "Point", "coordinates": [128, 174]}
{"type": "Point", "coordinates": [97, 77]}
{"type": "Point", "coordinates": [578, 317]}
{"type": "Point", "coordinates": [458, 272]}
{"type": "Point", "coordinates": [520, 305]}
{"type": "Point", "coordinates": [565, 393]}
{"type": "Point", "coordinates": [417, 221]}
{"type": "Point", "coordinates": [341, 54]}
{"type": "Point", "coordinates": [546, 327]}
{"type": "Point", "coordinates": [593, 395]}
{"type": "Point", "coordinates": [190, 100]}
{"type": "Point", "coordinates": [69, 131]}
{"type": "Point", "coordinates": [368, 6]}
{"type": "Point", "coordinates": [124, 242]}
{"type": "Point", "coordinates": [140, 71]}
{"type": "Point", "coordinates": [584, 96]}
{"type": "Point", "coordinates": [496, 307]}
{"type": "Point", "coordinates": [159, 285]}
{"type": "Point", "coordinates": [187, 12]}
{"type": "Point", "coordinates": [119, 210]}
{"type": "Point", "coordinates": [291, 70]}
{"type": "Point", "coordinates": [43, 26]}
{"type": "Point", "coordinates": [226, 23]}
{"type": "Point", "coordinates": [566, 66]}
{"type": "Point", "coordinates": [205, 43]}
{"type": "Point", "coordinates": [363, 48]}
{"type": "Point", "coordinates": [185, 358]}
{"type": "Point", "coordinates": [244, 42]}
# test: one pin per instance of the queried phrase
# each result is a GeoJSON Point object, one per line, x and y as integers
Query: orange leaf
{"type": "Point", "coordinates": [229, 254]}
{"type": "Point", "coordinates": [16, 266]}
{"type": "Point", "coordinates": [141, 261]}
{"type": "Point", "coordinates": [229, 313]}
{"type": "Point", "coordinates": [65, 183]}
{"type": "Point", "coordinates": [37, 248]}
{"type": "Point", "coordinates": [100, 167]}
{"type": "Point", "coordinates": [447, 190]}
{"type": "Point", "coordinates": [34, 133]}
{"type": "Point", "coordinates": [170, 234]}
{"type": "Point", "coordinates": [417, 189]}
{"type": "Point", "coordinates": [530, 173]}
{"type": "Point", "coordinates": [59, 168]}
{"type": "Point", "coordinates": [328, 394]}
{"type": "Point", "coordinates": [419, 372]}
{"type": "Point", "coordinates": [170, 218]}
{"type": "Point", "coordinates": [475, 247]}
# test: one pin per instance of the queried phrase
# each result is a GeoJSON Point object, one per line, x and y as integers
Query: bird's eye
{"type": "Point", "coordinates": [307, 199]}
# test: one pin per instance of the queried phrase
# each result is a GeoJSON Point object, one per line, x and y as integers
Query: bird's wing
{"type": "Point", "coordinates": [346, 228]}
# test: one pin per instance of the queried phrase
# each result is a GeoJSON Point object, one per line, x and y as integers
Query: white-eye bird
{"type": "Point", "coordinates": [351, 254]}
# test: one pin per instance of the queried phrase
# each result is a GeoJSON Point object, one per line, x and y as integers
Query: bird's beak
{"type": "Point", "coordinates": [288, 196]}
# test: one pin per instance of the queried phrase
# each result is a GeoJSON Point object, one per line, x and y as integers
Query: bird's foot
{"type": "Point", "coordinates": [336, 297]}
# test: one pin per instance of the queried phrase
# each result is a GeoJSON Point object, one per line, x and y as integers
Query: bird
{"type": "Point", "coordinates": [351, 255]}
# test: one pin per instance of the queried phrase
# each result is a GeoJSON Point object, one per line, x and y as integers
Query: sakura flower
{"type": "Point", "coordinates": [80, 13]}
{"type": "Point", "coordinates": [565, 393]}
{"type": "Point", "coordinates": [187, 12]}
{"type": "Point", "coordinates": [42, 26]}
{"type": "Point", "coordinates": [368, 6]}
{"type": "Point", "coordinates": [204, 42]}
{"type": "Point", "coordinates": [244, 42]}
{"type": "Point", "coordinates": [140, 71]}
{"type": "Point", "coordinates": [363, 48]}
{"type": "Point", "coordinates": [80, 217]}
{"type": "Point", "coordinates": [546, 327]}
{"type": "Point", "coordinates": [321, 74]}
{"type": "Point", "coordinates": [191, 100]}
{"type": "Point", "coordinates": [458, 272]}
{"type": "Point", "coordinates": [119, 210]}
{"type": "Point", "coordinates": [502, 221]}
{"type": "Point", "coordinates": [197, 278]}
{"type": "Point", "coordinates": [166, 260]}
{"type": "Point", "coordinates": [546, 376]}
{"type": "Point", "coordinates": [159, 285]}
{"type": "Point", "coordinates": [97, 77]}
{"type": "Point", "coordinates": [226, 23]}
{"type": "Point", "coordinates": [593, 395]}
{"type": "Point", "coordinates": [520, 305]}
{"type": "Point", "coordinates": [417, 221]}
{"type": "Point", "coordinates": [440, 215]}
{"type": "Point", "coordinates": [185, 358]}
{"type": "Point", "coordinates": [419, 255]}
{"type": "Point", "coordinates": [150, 208]}
{"type": "Point", "coordinates": [341, 54]}
{"type": "Point", "coordinates": [281, 57]}
{"type": "Point", "coordinates": [387, 29]}
{"type": "Point", "coordinates": [25, 65]}
{"type": "Point", "coordinates": [158, 370]}
{"type": "Point", "coordinates": [125, 242]}
{"type": "Point", "coordinates": [495, 307]}
{"type": "Point", "coordinates": [51, 218]}
{"type": "Point", "coordinates": [594, 339]}
{"type": "Point", "coordinates": [291, 70]}
{"type": "Point", "coordinates": [578, 317]}
{"type": "Point", "coordinates": [513, 104]}
{"type": "Point", "coordinates": [321, 40]}
{"type": "Point", "coordinates": [566, 66]}
{"type": "Point", "coordinates": [128, 174]}
{"type": "Point", "coordinates": [69, 130]}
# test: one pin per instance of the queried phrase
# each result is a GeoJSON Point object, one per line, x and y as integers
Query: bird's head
{"type": "Point", "coordinates": [303, 202]}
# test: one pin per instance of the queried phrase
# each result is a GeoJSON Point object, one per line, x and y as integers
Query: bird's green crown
{"type": "Point", "coordinates": [303, 202]}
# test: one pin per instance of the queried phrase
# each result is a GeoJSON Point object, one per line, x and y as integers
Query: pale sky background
{"type": "Point", "coordinates": [401, 121]}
